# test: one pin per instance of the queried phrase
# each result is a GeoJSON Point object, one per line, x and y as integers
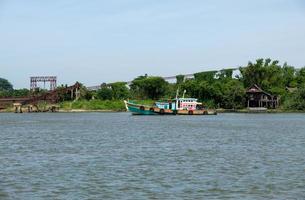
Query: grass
{"type": "Point", "coordinates": [148, 102]}
{"type": "Point", "coordinates": [113, 105]}
{"type": "Point", "coordinates": [105, 105]}
{"type": "Point", "coordinates": [90, 105]}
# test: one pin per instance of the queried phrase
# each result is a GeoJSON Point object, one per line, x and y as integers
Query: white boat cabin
{"type": "Point", "coordinates": [180, 104]}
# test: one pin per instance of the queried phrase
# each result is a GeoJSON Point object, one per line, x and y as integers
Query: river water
{"type": "Point", "coordinates": [120, 156]}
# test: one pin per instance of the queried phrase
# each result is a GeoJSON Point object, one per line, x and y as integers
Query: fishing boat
{"type": "Point", "coordinates": [177, 106]}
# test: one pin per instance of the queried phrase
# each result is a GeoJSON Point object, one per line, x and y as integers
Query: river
{"type": "Point", "coordinates": [120, 156]}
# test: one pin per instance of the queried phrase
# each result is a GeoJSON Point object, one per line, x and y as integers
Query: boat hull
{"type": "Point", "coordinates": [137, 109]}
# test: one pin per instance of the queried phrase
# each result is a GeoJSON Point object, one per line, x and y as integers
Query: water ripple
{"type": "Point", "coordinates": [118, 156]}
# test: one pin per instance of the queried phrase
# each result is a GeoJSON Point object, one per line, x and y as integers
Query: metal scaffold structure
{"type": "Point", "coordinates": [51, 79]}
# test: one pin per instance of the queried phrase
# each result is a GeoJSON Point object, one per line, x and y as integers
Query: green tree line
{"type": "Point", "coordinates": [220, 89]}
{"type": "Point", "coordinates": [7, 90]}
{"type": "Point", "coordinates": [217, 89]}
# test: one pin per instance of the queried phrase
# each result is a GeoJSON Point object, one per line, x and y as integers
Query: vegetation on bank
{"type": "Point", "coordinates": [6, 90]}
{"type": "Point", "coordinates": [97, 104]}
{"type": "Point", "coordinates": [105, 105]}
{"type": "Point", "coordinates": [216, 89]}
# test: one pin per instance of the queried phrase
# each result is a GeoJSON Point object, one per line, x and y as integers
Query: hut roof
{"type": "Point", "coordinates": [256, 89]}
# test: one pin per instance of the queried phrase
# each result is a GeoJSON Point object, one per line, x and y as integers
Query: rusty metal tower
{"type": "Point", "coordinates": [51, 79]}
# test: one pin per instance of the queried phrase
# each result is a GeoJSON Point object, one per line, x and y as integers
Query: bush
{"type": "Point", "coordinates": [104, 93]}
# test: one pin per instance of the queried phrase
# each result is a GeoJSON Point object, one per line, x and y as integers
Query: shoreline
{"type": "Point", "coordinates": [241, 111]}
{"type": "Point", "coordinates": [71, 111]}
{"type": "Point", "coordinates": [84, 110]}
{"type": "Point", "coordinates": [246, 111]}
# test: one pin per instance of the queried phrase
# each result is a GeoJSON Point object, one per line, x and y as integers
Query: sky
{"type": "Point", "coordinates": [100, 41]}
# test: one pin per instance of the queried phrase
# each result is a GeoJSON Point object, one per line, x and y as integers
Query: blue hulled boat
{"type": "Point", "coordinates": [178, 106]}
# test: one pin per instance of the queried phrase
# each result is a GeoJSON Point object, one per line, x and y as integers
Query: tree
{"type": "Point", "coordinates": [21, 92]}
{"type": "Point", "coordinates": [179, 79]}
{"type": "Point", "coordinates": [225, 74]}
{"type": "Point", "coordinates": [205, 76]}
{"type": "Point", "coordinates": [233, 96]}
{"type": "Point", "coordinates": [265, 73]}
{"type": "Point", "coordinates": [5, 85]}
{"type": "Point", "coordinates": [191, 87]}
{"type": "Point", "coordinates": [104, 93]}
{"type": "Point", "coordinates": [84, 93]}
{"type": "Point", "coordinates": [66, 96]}
{"type": "Point", "coordinates": [149, 87]}
{"type": "Point", "coordinates": [171, 91]}
{"type": "Point", "coordinates": [289, 76]}
{"type": "Point", "coordinates": [136, 88]}
{"type": "Point", "coordinates": [119, 90]}
{"type": "Point", "coordinates": [300, 77]}
{"type": "Point", "coordinates": [296, 101]}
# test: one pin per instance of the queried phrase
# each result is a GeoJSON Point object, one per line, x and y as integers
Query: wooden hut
{"type": "Point", "coordinates": [258, 98]}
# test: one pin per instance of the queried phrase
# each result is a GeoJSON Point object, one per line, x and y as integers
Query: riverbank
{"type": "Point", "coordinates": [83, 111]}
{"type": "Point", "coordinates": [221, 110]}
{"type": "Point", "coordinates": [78, 106]}
{"type": "Point", "coordinates": [119, 106]}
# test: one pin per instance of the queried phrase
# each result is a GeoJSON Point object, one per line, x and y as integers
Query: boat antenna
{"type": "Point", "coordinates": [177, 93]}
{"type": "Point", "coordinates": [184, 93]}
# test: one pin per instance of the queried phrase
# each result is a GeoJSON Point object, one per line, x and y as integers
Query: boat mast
{"type": "Point", "coordinates": [177, 94]}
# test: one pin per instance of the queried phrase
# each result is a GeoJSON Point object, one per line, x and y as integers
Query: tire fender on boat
{"type": "Point", "coordinates": [191, 112]}
{"type": "Point", "coordinates": [152, 109]}
{"type": "Point", "coordinates": [142, 108]}
{"type": "Point", "coordinates": [162, 111]}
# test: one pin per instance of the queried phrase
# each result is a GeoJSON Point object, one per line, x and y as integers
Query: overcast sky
{"type": "Point", "coordinates": [105, 41]}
